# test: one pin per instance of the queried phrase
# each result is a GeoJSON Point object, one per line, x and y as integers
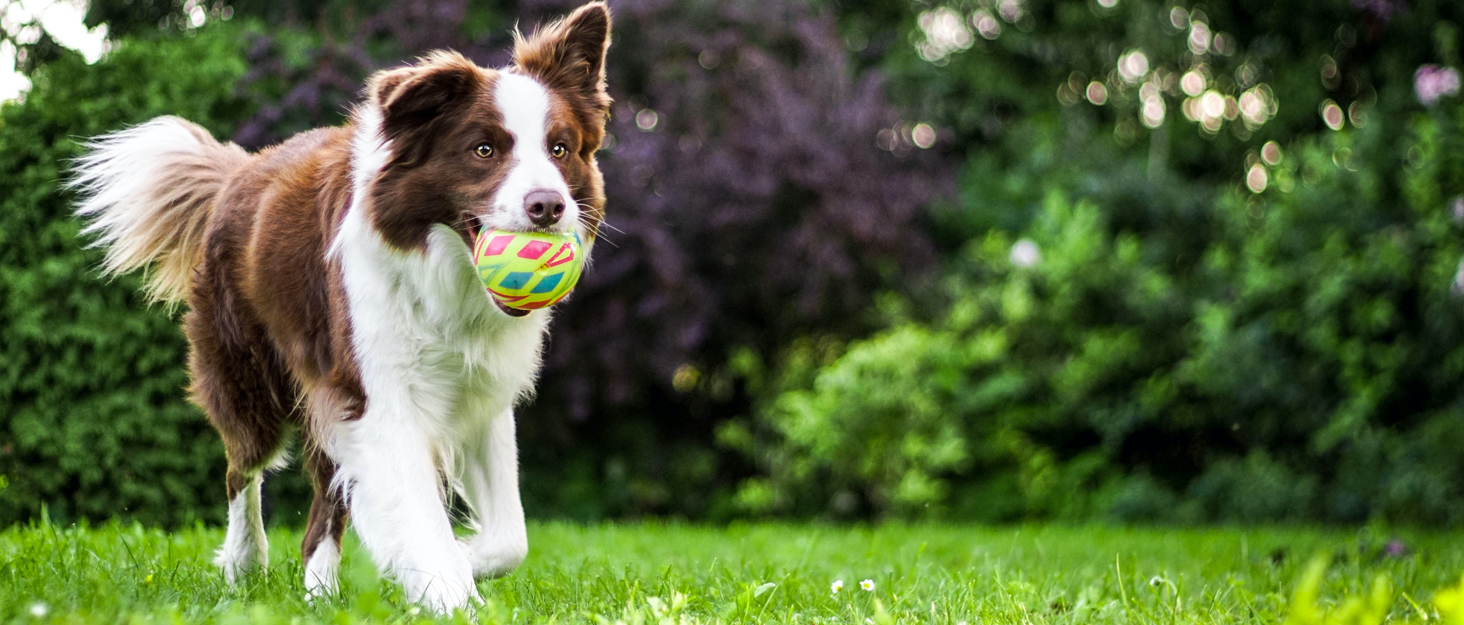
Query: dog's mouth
{"type": "Point", "coordinates": [512, 312]}
{"type": "Point", "coordinates": [469, 227]}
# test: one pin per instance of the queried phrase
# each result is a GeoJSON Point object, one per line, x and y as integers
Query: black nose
{"type": "Point", "coordinates": [544, 207]}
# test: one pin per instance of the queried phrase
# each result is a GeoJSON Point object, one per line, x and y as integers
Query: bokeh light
{"type": "Point", "coordinates": [1132, 66]}
{"type": "Point", "coordinates": [1025, 253]}
{"type": "Point", "coordinates": [1256, 179]}
{"type": "Point", "coordinates": [945, 33]}
{"type": "Point", "coordinates": [986, 24]}
{"type": "Point", "coordinates": [646, 120]}
{"type": "Point", "coordinates": [1257, 105]}
{"type": "Point", "coordinates": [1199, 37]}
{"type": "Point", "coordinates": [1152, 110]}
{"type": "Point", "coordinates": [1178, 17]}
{"type": "Point", "coordinates": [1332, 115]}
{"type": "Point", "coordinates": [1193, 83]}
{"type": "Point", "coordinates": [1010, 10]}
{"type": "Point", "coordinates": [922, 135]}
{"type": "Point", "coordinates": [1271, 153]}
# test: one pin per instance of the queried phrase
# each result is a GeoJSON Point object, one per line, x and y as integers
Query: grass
{"type": "Point", "coordinates": [755, 573]}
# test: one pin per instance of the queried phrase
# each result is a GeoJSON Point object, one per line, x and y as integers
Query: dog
{"type": "Point", "coordinates": [330, 292]}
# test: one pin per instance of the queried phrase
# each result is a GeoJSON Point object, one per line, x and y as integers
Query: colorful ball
{"type": "Point", "coordinates": [528, 270]}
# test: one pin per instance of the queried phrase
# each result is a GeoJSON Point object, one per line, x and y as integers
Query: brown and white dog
{"type": "Point", "coordinates": [331, 292]}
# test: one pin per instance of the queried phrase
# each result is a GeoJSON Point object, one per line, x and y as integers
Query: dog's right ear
{"type": "Point", "coordinates": [412, 96]}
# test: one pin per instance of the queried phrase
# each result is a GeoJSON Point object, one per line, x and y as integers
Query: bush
{"type": "Point", "coordinates": [93, 416]}
{"type": "Point", "coordinates": [1306, 367]}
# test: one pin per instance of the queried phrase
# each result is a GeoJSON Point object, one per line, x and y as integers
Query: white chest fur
{"type": "Point", "coordinates": [428, 340]}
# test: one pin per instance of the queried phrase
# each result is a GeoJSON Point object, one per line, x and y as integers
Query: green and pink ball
{"type": "Point", "coordinates": [528, 270]}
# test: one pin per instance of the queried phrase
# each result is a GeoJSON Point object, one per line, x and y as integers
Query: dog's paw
{"type": "Point", "coordinates": [494, 558]}
{"type": "Point", "coordinates": [239, 561]}
{"type": "Point", "coordinates": [440, 594]}
{"type": "Point", "coordinates": [321, 570]}
{"type": "Point", "coordinates": [318, 593]}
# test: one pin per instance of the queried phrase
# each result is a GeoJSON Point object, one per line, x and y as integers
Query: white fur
{"type": "Point", "coordinates": [490, 487]}
{"type": "Point", "coordinates": [124, 167]}
{"type": "Point", "coordinates": [524, 105]}
{"type": "Point", "coordinates": [321, 572]}
{"type": "Point", "coordinates": [148, 192]}
{"type": "Point", "coordinates": [245, 546]}
{"type": "Point", "coordinates": [442, 368]}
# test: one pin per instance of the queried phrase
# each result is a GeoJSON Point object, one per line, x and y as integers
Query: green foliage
{"type": "Point", "coordinates": [923, 402]}
{"type": "Point", "coordinates": [1122, 328]}
{"type": "Point", "coordinates": [93, 416]}
{"type": "Point", "coordinates": [1373, 608]}
{"type": "Point", "coordinates": [1305, 366]}
{"type": "Point", "coordinates": [752, 573]}
{"type": "Point", "coordinates": [1369, 610]}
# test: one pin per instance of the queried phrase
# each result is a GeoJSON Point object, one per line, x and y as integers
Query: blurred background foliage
{"type": "Point", "coordinates": [992, 260]}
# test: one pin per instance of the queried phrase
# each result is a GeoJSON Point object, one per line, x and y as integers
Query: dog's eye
{"type": "Point", "coordinates": [483, 150]}
{"type": "Point", "coordinates": [559, 150]}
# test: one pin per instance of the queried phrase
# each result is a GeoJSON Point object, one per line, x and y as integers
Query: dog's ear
{"type": "Point", "coordinates": [569, 55]}
{"type": "Point", "coordinates": [412, 96]}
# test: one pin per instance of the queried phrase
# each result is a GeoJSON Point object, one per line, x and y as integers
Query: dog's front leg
{"type": "Point", "coordinates": [387, 463]}
{"type": "Point", "coordinates": [491, 488]}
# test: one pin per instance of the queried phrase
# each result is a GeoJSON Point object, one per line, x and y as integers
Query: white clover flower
{"type": "Point", "coordinates": [39, 609]}
{"type": "Point", "coordinates": [867, 585]}
{"type": "Point", "coordinates": [836, 586]}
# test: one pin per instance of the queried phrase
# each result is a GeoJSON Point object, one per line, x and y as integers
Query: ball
{"type": "Point", "coordinates": [528, 270]}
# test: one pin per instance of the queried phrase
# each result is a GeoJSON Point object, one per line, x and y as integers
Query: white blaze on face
{"type": "Point", "coordinates": [524, 105]}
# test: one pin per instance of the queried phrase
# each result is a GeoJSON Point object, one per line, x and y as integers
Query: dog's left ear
{"type": "Point", "coordinates": [569, 55]}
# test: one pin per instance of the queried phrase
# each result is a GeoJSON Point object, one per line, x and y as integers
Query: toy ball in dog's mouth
{"type": "Point", "coordinates": [526, 271]}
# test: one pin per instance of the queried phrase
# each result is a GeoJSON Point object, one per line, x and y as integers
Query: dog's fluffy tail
{"type": "Point", "coordinates": [148, 192]}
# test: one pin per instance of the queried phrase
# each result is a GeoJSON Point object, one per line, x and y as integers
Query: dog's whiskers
{"type": "Point", "coordinates": [598, 233]}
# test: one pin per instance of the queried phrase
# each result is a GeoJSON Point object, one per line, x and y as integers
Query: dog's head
{"type": "Point", "coordinates": [512, 149]}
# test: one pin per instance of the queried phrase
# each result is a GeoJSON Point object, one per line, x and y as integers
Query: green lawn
{"type": "Point", "coordinates": [754, 573]}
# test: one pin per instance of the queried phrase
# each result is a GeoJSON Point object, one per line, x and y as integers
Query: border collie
{"type": "Point", "coordinates": [331, 292]}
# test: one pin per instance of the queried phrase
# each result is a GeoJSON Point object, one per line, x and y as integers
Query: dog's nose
{"type": "Point", "coordinates": [544, 207]}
